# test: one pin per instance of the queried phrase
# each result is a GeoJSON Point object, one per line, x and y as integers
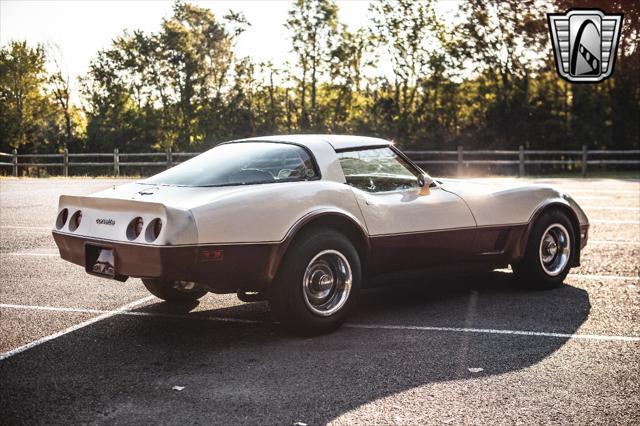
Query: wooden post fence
{"type": "Point", "coordinates": [521, 161]}
{"type": "Point", "coordinates": [573, 160]}
{"type": "Point", "coordinates": [169, 158]}
{"type": "Point", "coordinates": [15, 162]}
{"type": "Point", "coordinates": [65, 163]}
{"type": "Point", "coordinates": [116, 162]}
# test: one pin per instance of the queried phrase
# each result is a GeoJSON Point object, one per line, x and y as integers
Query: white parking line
{"type": "Point", "coordinates": [54, 309]}
{"type": "Point", "coordinates": [104, 315]}
{"type": "Point", "coordinates": [616, 222]}
{"type": "Point", "coordinates": [621, 243]}
{"type": "Point", "coordinates": [590, 276]}
{"type": "Point", "coordinates": [600, 191]}
{"type": "Point", "coordinates": [591, 197]}
{"type": "Point", "coordinates": [31, 254]}
{"type": "Point", "coordinates": [499, 331]}
{"type": "Point", "coordinates": [625, 209]}
{"type": "Point", "coordinates": [26, 227]}
{"type": "Point", "coordinates": [602, 277]}
{"type": "Point", "coordinates": [125, 312]}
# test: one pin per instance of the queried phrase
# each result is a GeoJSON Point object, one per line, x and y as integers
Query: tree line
{"type": "Point", "coordinates": [485, 80]}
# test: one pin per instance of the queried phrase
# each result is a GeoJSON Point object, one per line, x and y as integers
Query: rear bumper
{"type": "Point", "coordinates": [234, 267]}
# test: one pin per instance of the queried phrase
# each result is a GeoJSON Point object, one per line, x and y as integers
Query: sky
{"type": "Point", "coordinates": [80, 28]}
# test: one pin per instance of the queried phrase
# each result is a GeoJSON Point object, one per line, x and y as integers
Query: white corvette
{"type": "Point", "coordinates": [302, 220]}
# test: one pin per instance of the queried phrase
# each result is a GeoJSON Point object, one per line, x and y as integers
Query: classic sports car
{"type": "Point", "coordinates": [302, 221]}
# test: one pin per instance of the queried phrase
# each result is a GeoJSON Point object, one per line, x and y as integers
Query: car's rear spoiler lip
{"type": "Point", "coordinates": [110, 203]}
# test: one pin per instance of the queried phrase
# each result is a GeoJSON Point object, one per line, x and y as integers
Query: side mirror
{"type": "Point", "coordinates": [424, 181]}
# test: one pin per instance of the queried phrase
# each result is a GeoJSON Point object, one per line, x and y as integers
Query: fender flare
{"type": "Point", "coordinates": [281, 250]}
{"type": "Point", "coordinates": [539, 210]}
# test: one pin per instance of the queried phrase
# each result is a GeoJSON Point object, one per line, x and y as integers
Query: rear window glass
{"type": "Point", "coordinates": [243, 163]}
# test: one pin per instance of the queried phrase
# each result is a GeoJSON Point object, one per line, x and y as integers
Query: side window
{"type": "Point", "coordinates": [377, 170]}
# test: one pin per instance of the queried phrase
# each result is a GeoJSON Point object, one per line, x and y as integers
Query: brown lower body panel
{"type": "Point", "coordinates": [498, 245]}
{"type": "Point", "coordinates": [236, 266]}
{"type": "Point", "coordinates": [253, 267]}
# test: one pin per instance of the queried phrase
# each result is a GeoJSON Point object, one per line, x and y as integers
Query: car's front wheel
{"type": "Point", "coordinates": [317, 284]}
{"type": "Point", "coordinates": [174, 291]}
{"type": "Point", "coordinates": [549, 253]}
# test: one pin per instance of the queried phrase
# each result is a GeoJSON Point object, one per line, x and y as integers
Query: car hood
{"type": "Point", "coordinates": [498, 203]}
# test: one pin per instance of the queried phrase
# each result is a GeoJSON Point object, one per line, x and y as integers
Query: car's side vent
{"type": "Point", "coordinates": [501, 240]}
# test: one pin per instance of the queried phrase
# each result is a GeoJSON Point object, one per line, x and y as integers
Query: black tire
{"type": "Point", "coordinates": [530, 270]}
{"type": "Point", "coordinates": [294, 306]}
{"type": "Point", "coordinates": [166, 291]}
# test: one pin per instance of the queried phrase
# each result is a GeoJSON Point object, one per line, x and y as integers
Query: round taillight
{"type": "Point", "coordinates": [74, 223]}
{"type": "Point", "coordinates": [62, 218]}
{"type": "Point", "coordinates": [135, 228]}
{"type": "Point", "coordinates": [154, 229]}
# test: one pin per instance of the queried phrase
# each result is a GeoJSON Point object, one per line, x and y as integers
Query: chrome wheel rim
{"type": "Point", "coordinates": [326, 283]}
{"type": "Point", "coordinates": [555, 249]}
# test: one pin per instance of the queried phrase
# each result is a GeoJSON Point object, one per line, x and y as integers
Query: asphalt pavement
{"type": "Point", "coordinates": [475, 350]}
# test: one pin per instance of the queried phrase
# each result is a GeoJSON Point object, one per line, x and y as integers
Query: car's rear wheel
{"type": "Point", "coordinates": [317, 284]}
{"type": "Point", "coordinates": [174, 291]}
{"type": "Point", "coordinates": [549, 253]}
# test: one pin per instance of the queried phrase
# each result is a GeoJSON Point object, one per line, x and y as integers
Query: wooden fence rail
{"type": "Point", "coordinates": [461, 158]}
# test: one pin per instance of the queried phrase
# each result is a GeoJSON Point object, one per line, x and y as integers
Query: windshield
{"type": "Point", "coordinates": [243, 163]}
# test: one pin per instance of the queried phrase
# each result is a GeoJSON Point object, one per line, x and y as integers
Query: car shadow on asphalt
{"type": "Point", "coordinates": [123, 369]}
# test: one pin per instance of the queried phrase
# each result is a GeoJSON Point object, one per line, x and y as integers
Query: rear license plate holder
{"type": "Point", "coordinates": [101, 261]}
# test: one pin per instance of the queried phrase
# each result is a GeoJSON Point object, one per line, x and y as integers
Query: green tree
{"type": "Point", "coordinates": [60, 86]}
{"type": "Point", "coordinates": [408, 33]}
{"type": "Point", "coordinates": [164, 89]}
{"type": "Point", "coordinates": [312, 24]}
{"type": "Point", "coordinates": [199, 53]}
{"type": "Point", "coordinates": [114, 97]}
{"type": "Point", "coordinates": [25, 110]}
{"type": "Point", "coordinates": [350, 59]}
